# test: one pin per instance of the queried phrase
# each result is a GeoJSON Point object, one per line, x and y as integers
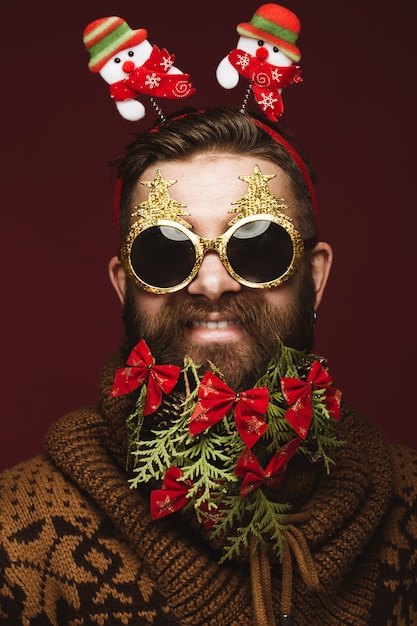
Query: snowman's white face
{"type": "Point", "coordinates": [264, 51]}
{"type": "Point", "coordinates": [125, 61]}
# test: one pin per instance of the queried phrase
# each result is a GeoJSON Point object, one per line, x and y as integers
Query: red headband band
{"type": "Point", "coordinates": [297, 159]}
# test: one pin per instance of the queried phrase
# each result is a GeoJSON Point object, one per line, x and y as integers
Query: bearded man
{"type": "Point", "coordinates": [220, 480]}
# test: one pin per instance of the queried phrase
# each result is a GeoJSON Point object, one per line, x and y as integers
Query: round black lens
{"type": "Point", "coordinates": [162, 256]}
{"type": "Point", "coordinates": [260, 251]}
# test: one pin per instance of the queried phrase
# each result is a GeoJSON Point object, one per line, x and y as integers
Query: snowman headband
{"type": "Point", "coordinates": [135, 70]}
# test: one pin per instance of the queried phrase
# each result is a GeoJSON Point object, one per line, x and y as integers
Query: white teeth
{"type": "Point", "coordinates": [221, 324]}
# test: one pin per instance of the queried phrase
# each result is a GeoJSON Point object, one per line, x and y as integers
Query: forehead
{"type": "Point", "coordinates": [208, 183]}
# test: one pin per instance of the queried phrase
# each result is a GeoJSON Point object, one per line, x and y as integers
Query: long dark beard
{"type": "Point", "coordinates": [243, 362]}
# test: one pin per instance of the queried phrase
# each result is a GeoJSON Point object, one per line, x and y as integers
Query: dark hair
{"type": "Point", "coordinates": [220, 129]}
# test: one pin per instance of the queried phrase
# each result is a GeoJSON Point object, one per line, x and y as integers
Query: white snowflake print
{"type": "Point", "coordinates": [242, 60]}
{"type": "Point", "coordinates": [276, 74]}
{"type": "Point", "coordinates": [166, 63]}
{"type": "Point", "coordinates": [152, 80]}
{"type": "Point", "coordinates": [268, 101]}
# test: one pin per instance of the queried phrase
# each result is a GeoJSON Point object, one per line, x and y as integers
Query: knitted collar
{"type": "Point", "coordinates": [344, 509]}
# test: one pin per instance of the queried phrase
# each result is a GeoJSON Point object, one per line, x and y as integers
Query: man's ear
{"type": "Point", "coordinates": [117, 277]}
{"type": "Point", "coordinates": [320, 265]}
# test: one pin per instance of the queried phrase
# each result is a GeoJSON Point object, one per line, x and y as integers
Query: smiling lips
{"type": "Point", "coordinates": [210, 331]}
{"type": "Point", "coordinates": [214, 324]}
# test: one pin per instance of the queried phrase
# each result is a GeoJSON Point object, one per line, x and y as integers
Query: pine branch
{"type": "Point", "coordinates": [153, 457]}
{"type": "Point", "coordinates": [264, 519]}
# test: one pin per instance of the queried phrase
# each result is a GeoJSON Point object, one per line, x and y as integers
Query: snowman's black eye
{"type": "Point", "coordinates": [260, 42]}
{"type": "Point", "coordinates": [131, 53]}
{"type": "Point", "coordinates": [117, 60]}
{"type": "Point", "coordinates": [275, 49]}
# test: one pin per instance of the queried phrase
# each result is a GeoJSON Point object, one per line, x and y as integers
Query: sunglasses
{"type": "Point", "coordinates": [259, 251]}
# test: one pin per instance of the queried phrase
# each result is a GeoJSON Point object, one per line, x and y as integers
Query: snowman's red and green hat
{"type": "Point", "coordinates": [106, 36]}
{"type": "Point", "coordinates": [276, 25]}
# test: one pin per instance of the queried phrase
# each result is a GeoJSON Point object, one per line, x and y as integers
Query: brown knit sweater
{"type": "Point", "coordinates": [78, 546]}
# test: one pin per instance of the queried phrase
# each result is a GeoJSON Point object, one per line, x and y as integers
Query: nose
{"type": "Point", "coordinates": [262, 53]}
{"type": "Point", "coordinates": [212, 279]}
{"type": "Point", "coordinates": [128, 67]}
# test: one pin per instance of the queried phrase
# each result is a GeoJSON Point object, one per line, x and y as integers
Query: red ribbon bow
{"type": "Point", "coordinates": [152, 78]}
{"type": "Point", "coordinates": [216, 399]}
{"type": "Point", "coordinates": [254, 476]}
{"type": "Point", "coordinates": [172, 496]}
{"type": "Point", "coordinates": [266, 80]}
{"type": "Point", "coordinates": [141, 370]}
{"type": "Point", "coordinates": [210, 516]}
{"type": "Point", "coordinates": [298, 394]}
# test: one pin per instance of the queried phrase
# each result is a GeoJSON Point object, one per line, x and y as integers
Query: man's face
{"type": "Point", "coordinates": [215, 318]}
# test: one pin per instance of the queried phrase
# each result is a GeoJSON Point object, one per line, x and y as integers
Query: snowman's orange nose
{"type": "Point", "coordinates": [262, 53]}
{"type": "Point", "coordinates": [128, 67]}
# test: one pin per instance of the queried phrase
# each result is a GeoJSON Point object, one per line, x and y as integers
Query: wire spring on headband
{"type": "Point", "coordinates": [246, 98]}
{"type": "Point", "coordinates": [158, 109]}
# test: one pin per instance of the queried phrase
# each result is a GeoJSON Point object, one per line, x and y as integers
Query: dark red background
{"type": "Point", "coordinates": [355, 114]}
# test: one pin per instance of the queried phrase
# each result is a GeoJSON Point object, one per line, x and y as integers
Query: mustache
{"type": "Point", "coordinates": [165, 330]}
{"type": "Point", "coordinates": [243, 308]}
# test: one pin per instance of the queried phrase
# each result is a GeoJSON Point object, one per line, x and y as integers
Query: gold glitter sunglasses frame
{"type": "Point", "coordinates": [219, 245]}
